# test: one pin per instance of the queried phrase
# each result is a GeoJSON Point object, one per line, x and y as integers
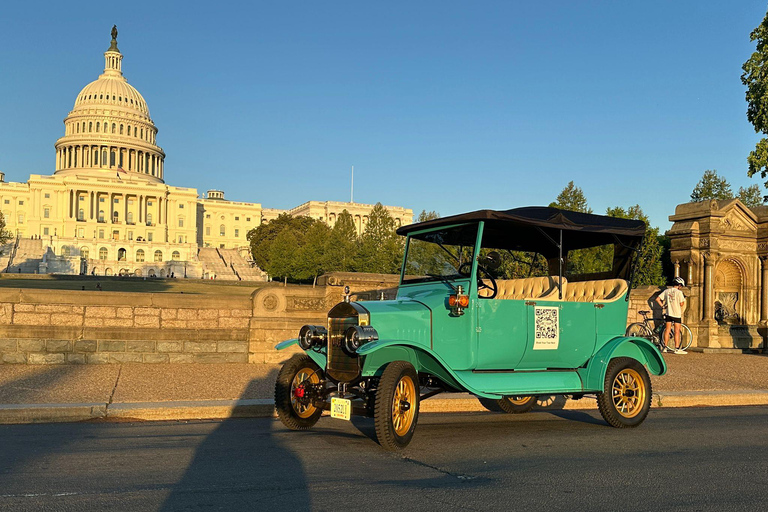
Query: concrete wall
{"type": "Point", "coordinates": [89, 327]}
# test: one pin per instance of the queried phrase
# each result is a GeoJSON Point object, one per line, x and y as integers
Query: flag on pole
{"type": "Point", "coordinates": [119, 170]}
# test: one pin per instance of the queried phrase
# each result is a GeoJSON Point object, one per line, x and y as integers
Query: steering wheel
{"type": "Point", "coordinates": [466, 268]}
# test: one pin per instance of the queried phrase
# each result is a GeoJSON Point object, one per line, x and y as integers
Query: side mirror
{"type": "Point", "coordinates": [492, 260]}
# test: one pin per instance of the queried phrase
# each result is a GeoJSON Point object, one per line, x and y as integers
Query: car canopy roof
{"type": "Point", "coordinates": [538, 229]}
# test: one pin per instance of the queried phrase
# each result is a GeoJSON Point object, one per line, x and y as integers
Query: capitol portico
{"type": "Point", "coordinates": [107, 209]}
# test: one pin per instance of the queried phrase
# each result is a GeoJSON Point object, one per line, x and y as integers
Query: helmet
{"type": "Point", "coordinates": [678, 281]}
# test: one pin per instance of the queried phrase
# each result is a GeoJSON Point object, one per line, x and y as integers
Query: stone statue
{"type": "Point", "coordinates": [114, 32]}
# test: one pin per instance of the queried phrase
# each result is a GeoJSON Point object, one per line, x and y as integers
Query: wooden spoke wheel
{"type": "Point", "coordinates": [626, 397]}
{"type": "Point", "coordinates": [294, 393]}
{"type": "Point", "coordinates": [397, 405]}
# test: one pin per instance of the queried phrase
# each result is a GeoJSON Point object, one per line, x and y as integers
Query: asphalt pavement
{"type": "Point", "coordinates": [51, 393]}
{"type": "Point", "coordinates": [704, 459]}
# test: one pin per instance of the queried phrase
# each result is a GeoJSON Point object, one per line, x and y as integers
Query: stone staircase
{"type": "Point", "coordinates": [214, 265]}
{"type": "Point", "coordinates": [242, 267]}
{"type": "Point", "coordinates": [27, 256]}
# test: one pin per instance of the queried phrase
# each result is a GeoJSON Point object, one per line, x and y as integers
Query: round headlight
{"type": "Point", "coordinates": [310, 335]}
{"type": "Point", "coordinates": [356, 335]}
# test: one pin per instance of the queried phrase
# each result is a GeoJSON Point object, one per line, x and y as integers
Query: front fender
{"type": "Point", "coordinates": [640, 349]}
{"type": "Point", "coordinates": [379, 353]}
{"type": "Point", "coordinates": [318, 357]}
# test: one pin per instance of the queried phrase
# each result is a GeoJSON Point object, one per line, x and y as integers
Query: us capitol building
{"type": "Point", "coordinates": [107, 210]}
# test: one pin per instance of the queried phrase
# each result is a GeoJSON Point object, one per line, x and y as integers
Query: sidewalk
{"type": "Point", "coordinates": [31, 394]}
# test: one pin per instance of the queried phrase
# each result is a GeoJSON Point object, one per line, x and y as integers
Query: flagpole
{"type": "Point", "coordinates": [352, 190]}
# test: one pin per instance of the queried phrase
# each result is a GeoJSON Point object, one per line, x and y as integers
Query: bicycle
{"type": "Point", "coordinates": [655, 335]}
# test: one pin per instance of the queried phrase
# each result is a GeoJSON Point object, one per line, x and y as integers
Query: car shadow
{"type": "Point", "coordinates": [235, 460]}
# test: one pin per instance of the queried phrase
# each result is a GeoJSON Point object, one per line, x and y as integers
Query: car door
{"type": "Point", "coordinates": [502, 332]}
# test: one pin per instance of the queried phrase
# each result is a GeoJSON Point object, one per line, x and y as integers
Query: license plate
{"type": "Point", "coordinates": [341, 408]}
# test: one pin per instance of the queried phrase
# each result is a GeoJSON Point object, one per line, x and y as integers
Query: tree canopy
{"type": "Point", "coordinates": [713, 186]}
{"type": "Point", "coordinates": [5, 235]}
{"type": "Point", "coordinates": [572, 198]}
{"type": "Point", "coordinates": [755, 78]}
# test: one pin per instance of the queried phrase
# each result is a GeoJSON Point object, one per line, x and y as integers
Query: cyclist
{"type": "Point", "coordinates": [673, 300]}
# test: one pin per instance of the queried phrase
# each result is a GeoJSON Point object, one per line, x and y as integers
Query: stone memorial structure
{"type": "Point", "coordinates": [720, 248]}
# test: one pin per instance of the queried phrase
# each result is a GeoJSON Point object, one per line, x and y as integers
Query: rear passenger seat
{"type": "Point", "coordinates": [527, 288]}
{"type": "Point", "coordinates": [606, 290]}
{"type": "Point", "coordinates": [545, 288]}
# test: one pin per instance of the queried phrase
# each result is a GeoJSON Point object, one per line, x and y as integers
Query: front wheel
{"type": "Point", "coordinates": [626, 397]}
{"type": "Point", "coordinates": [397, 405]}
{"type": "Point", "coordinates": [295, 391]}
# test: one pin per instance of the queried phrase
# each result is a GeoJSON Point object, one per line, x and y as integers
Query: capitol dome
{"type": "Point", "coordinates": [109, 130]}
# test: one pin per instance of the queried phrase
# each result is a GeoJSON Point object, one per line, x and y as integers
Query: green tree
{"type": "Point", "coordinates": [424, 216]}
{"type": "Point", "coordinates": [262, 237]}
{"type": "Point", "coordinates": [310, 260]}
{"type": "Point", "coordinates": [5, 235]}
{"type": "Point", "coordinates": [750, 196]}
{"type": "Point", "coordinates": [648, 268]}
{"type": "Point", "coordinates": [572, 198]}
{"type": "Point", "coordinates": [380, 249]}
{"type": "Point", "coordinates": [341, 245]}
{"type": "Point", "coordinates": [755, 79]}
{"type": "Point", "coordinates": [712, 186]}
{"type": "Point", "coordinates": [282, 255]}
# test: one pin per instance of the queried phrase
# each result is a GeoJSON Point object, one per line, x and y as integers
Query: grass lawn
{"type": "Point", "coordinates": [129, 284]}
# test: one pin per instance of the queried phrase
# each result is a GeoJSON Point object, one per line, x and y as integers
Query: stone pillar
{"type": "Point", "coordinates": [677, 268]}
{"type": "Point", "coordinates": [764, 290]}
{"type": "Point", "coordinates": [709, 287]}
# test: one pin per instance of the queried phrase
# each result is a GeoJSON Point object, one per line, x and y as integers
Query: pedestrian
{"type": "Point", "coordinates": [98, 286]}
{"type": "Point", "coordinates": [672, 301]}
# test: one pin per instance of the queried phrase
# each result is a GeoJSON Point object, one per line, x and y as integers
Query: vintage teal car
{"type": "Point", "coordinates": [506, 305]}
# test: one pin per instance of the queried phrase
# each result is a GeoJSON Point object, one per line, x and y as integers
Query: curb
{"type": "Point", "coordinates": [264, 408]}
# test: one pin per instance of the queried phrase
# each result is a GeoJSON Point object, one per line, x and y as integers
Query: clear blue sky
{"type": "Point", "coordinates": [440, 105]}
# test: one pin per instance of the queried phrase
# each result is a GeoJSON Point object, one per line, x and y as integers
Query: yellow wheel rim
{"type": "Point", "coordinates": [303, 377]}
{"type": "Point", "coordinates": [403, 405]}
{"type": "Point", "coordinates": [628, 393]}
{"type": "Point", "coordinates": [519, 400]}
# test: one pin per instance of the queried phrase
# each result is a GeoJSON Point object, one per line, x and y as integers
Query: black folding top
{"type": "Point", "coordinates": [534, 228]}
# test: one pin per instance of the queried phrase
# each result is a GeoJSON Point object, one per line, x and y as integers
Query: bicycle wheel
{"type": "Point", "coordinates": [638, 329]}
{"type": "Point", "coordinates": [686, 337]}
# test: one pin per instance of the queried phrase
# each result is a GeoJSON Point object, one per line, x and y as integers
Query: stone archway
{"type": "Point", "coordinates": [729, 292]}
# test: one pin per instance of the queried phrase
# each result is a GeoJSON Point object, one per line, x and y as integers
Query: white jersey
{"type": "Point", "coordinates": [673, 302]}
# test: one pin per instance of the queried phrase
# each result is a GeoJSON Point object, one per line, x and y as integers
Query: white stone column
{"type": "Point", "coordinates": [764, 290]}
{"type": "Point", "coordinates": [709, 285]}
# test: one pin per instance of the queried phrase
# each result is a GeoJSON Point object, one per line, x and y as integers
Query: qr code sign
{"type": "Point", "coordinates": [547, 328]}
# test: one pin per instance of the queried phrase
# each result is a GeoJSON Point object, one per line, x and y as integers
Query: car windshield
{"type": "Point", "coordinates": [441, 254]}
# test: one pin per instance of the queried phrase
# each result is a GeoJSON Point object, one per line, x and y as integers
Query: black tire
{"type": "Point", "coordinates": [510, 404]}
{"type": "Point", "coordinates": [397, 405]}
{"type": "Point", "coordinates": [626, 397]}
{"type": "Point", "coordinates": [638, 329]}
{"type": "Point", "coordinates": [297, 413]}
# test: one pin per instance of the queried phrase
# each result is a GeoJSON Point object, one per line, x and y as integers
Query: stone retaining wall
{"type": "Point", "coordinates": [86, 327]}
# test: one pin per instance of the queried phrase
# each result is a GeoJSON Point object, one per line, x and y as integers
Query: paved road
{"type": "Point", "coordinates": [680, 459]}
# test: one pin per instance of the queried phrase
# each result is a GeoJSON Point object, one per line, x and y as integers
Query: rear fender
{"type": "Point", "coordinates": [639, 349]}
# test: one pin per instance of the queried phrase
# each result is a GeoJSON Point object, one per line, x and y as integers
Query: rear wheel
{"type": "Point", "coordinates": [510, 404]}
{"type": "Point", "coordinates": [639, 330]}
{"type": "Point", "coordinates": [294, 393]}
{"type": "Point", "coordinates": [397, 405]}
{"type": "Point", "coordinates": [626, 397]}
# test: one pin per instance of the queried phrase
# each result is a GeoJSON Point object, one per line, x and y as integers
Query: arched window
{"type": "Point", "coordinates": [21, 218]}
{"type": "Point", "coordinates": [181, 222]}
{"type": "Point", "coordinates": [97, 126]}
{"type": "Point", "coordinates": [121, 129]}
{"type": "Point", "coordinates": [129, 218]}
{"type": "Point", "coordinates": [103, 253]}
{"type": "Point", "coordinates": [129, 130]}
{"type": "Point", "coordinates": [113, 124]}
{"type": "Point", "coordinates": [84, 253]}
{"type": "Point", "coordinates": [90, 126]}
{"type": "Point", "coordinates": [78, 127]}
{"type": "Point", "coordinates": [104, 157]}
{"type": "Point", "coordinates": [149, 219]}
{"type": "Point", "coordinates": [158, 255]}
{"type": "Point", "coordinates": [101, 215]}
{"type": "Point", "coordinates": [121, 253]}
{"type": "Point", "coordinates": [111, 158]}
{"type": "Point", "coordinates": [222, 230]}
{"type": "Point", "coordinates": [140, 255]}
{"type": "Point", "coordinates": [175, 256]}
{"type": "Point", "coordinates": [115, 216]}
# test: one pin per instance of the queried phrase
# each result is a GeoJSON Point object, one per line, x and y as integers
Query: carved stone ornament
{"type": "Point", "coordinates": [307, 304]}
{"type": "Point", "coordinates": [704, 242]}
{"type": "Point", "coordinates": [270, 302]}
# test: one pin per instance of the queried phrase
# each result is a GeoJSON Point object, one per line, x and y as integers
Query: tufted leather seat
{"type": "Point", "coordinates": [595, 291]}
{"type": "Point", "coordinates": [527, 288]}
